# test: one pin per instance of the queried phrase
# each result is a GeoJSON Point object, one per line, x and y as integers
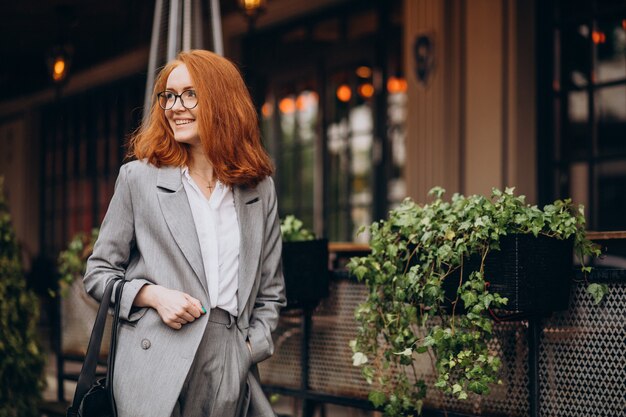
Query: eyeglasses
{"type": "Point", "coordinates": [167, 99]}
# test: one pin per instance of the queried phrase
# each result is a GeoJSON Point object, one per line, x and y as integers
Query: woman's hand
{"type": "Point", "coordinates": [174, 307]}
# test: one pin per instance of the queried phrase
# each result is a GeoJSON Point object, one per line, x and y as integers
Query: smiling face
{"type": "Point", "coordinates": [182, 120]}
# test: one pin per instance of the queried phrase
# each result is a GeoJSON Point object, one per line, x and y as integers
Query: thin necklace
{"type": "Point", "coordinates": [210, 184]}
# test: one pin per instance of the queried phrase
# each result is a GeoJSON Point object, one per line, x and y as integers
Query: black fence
{"type": "Point", "coordinates": [573, 362]}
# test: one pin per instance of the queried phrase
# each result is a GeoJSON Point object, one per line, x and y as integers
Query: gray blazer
{"type": "Point", "coordinates": [148, 237]}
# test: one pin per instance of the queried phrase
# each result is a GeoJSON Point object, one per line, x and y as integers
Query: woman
{"type": "Point", "coordinates": [193, 227]}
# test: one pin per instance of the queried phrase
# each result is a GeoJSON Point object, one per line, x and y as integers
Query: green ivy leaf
{"type": "Point", "coordinates": [360, 272]}
{"type": "Point", "coordinates": [598, 291]}
{"type": "Point", "coordinates": [377, 398]}
{"type": "Point", "coordinates": [429, 341]}
{"type": "Point", "coordinates": [440, 384]}
{"type": "Point", "coordinates": [419, 404]}
{"type": "Point", "coordinates": [478, 387]}
{"type": "Point", "coordinates": [469, 298]}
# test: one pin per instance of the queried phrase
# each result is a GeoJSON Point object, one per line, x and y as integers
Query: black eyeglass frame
{"type": "Point", "coordinates": [176, 97]}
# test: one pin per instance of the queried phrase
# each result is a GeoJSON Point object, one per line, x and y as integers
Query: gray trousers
{"type": "Point", "coordinates": [216, 383]}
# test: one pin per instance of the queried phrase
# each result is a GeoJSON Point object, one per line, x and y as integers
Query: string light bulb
{"type": "Point", "coordinates": [598, 37]}
{"type": "Point", "coordinates": [267, 109]}
{"type": "Point", "coordinates": [344, 93]}
{"type": "Point", "coordinates": [366, 90]}
{"type": "Point", "coordinates": [287, 105]}
{"type": "Point", "coordinates": [396, 85]}
{"type": "Point", "coordinates": [364, 71]}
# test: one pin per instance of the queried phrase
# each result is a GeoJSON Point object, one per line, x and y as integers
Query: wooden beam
{"type": "Point", "coordinates": [606, 235]}
{"type": "Point", "coordinates": [120, 67]}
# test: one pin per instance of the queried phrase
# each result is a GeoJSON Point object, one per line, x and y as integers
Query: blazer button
{"type": "Point", "coordinates": [145, 344]}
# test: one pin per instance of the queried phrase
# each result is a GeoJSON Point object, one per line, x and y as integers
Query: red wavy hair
{"type": "Point", "coordinates": [227, 123]}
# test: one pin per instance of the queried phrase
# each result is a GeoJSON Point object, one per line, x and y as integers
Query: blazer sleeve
{"type": "Point", "coordinates": [113, 248]}
{"type": "Point", "coordinates": [271, 294]}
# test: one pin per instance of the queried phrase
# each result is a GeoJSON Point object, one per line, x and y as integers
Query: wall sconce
{"type": "Point", "coordinates": [59, 62]}
{"type": "Point", "coordinates": [252, 9]}
{"type": "Point", "coordinates": [424, 57]}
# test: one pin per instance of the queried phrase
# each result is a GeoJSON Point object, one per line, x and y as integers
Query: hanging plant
{"type": "Point", "coordinates": [417, 255]}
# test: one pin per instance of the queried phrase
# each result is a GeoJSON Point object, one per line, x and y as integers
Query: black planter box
{"type": "Point", "coordinates": [305, 267]}
{"type": "Point", "coordinates": [534, 273]}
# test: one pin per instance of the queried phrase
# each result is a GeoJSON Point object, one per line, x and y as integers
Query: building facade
{"type": "Point", "coordinates": [361, 104]}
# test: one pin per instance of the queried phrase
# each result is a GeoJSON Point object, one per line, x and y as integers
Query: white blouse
{"type": "Point", "coordinates": [218, 232]}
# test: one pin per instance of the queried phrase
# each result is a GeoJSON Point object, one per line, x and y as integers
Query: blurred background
{"type": "Point", "coordinates": [362, 103]}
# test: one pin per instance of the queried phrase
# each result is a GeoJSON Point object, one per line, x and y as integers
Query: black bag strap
{"type": "Point", "coordinates": [88, 370]}
{"type": "Point", "coordinates": [113, 345]}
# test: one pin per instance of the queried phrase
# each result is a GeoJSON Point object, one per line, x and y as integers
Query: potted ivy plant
{"type": "Point", "coordinates": [78, 309]}
{"type": "Point", "coordinates": [305, 264]}
{"type": "Point", "coordinates": [430, 294]}
{"type": "Point", "coordinates": [72, 261]}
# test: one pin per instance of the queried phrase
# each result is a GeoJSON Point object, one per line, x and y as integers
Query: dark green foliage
{"type": "Point", "coordinates": [21, 360]}
{"type": "Point", "coordinates": [72, 262]}
{"type": "Point", "coordinates": [292, 231]}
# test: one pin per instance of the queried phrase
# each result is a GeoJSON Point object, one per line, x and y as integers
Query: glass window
{"type": "Point", "coordinates": [610, 113]}
{"type": "Point", "coordinates": [570, 9]}
{"type": "Point", "coordinates": [396, 115]}
{"type": "Point", "coordinates": [83, 147]}
{"type": "Point", "coordinates": [292, 144]}
{"type": "Point", "coordinates": [350, 144]}
{"type": "Point", "coordinates": [610, 38]}
{"type": "Point", "coordinates": [576, 66]}
{"type": "Point", "coordinates": [556, 112]}
{"type": "Point", "coordinates": [579, 184]}
{"type": "Point", "coordinates": [589, 112]}
{"type": "Point", "coordinates": [611, 179]}
{"type": "Point", "coordinates": [331, 121]}
{"type": "Point", "coordinates": [576, 125]}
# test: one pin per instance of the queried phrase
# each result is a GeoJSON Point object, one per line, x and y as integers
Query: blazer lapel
{"type": "Point", "coordinates": [251, 226]}
{"type": "Point", "coordinates": [177, 213]}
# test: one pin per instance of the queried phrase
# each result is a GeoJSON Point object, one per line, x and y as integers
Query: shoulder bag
{"type": "Point", "coordinates": [94, 398]}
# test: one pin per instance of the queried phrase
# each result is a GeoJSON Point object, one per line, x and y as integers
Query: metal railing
{"type": "Point", "coordinates": [573, 362]}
